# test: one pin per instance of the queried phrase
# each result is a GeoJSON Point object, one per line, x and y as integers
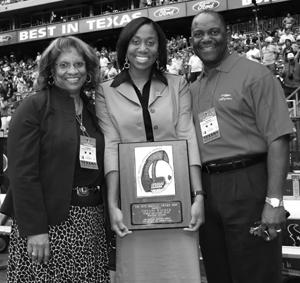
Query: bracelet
{"type": "Point", "coordinates": [199, 193]}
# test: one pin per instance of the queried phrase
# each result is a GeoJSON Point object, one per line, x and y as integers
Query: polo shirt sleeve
{"type": "Point", "coordinates": [185, 127]}
{"type": "Point", "coordinates": [111, 135]}
{"type": "Point", "coordinates": [271, 111]}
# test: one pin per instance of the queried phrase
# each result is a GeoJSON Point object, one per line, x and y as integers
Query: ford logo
{"type": "Point", "coordinates": [5, 37]}
{"type": "Point", "coordinates": [166, 11]}
{"type": "Point", "coordinates": [204, 5]}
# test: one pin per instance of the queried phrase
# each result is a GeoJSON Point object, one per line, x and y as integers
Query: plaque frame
{"type": "Point", "coordinates": [171, 206]}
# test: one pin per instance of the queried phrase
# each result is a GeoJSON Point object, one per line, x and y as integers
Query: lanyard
{"type": "Point", "coordinates": [82, 128]}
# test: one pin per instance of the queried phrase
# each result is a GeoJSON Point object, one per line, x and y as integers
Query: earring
{"type": "Point", "coordinates": [126, 64]}
{"type": "Point", "coordinates": [50, 80]}
{"type": "Point", "coordinates": [88, 79]}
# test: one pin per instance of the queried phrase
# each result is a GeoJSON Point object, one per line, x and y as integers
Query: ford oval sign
{"type": "Point", "coordinates": [204, 5]}
{"type": "Point", "coordinates": [5, 38]}
{"type": "Point", "coordinates": [166, 11]}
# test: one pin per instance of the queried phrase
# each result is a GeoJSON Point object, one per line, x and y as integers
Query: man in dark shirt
{"type": "Point", "coordinates": [242, 126]}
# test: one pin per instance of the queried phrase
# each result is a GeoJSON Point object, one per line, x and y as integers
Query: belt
{"type": "Point", "coordinates": [86, 196]}
{"type": "Point", "coordinates": [228, 164]}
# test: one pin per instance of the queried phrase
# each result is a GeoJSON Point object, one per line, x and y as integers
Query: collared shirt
{"type": "Point", "coordinates": [249, 104]}
{"type": "Point", "coordinates": [143, 97]}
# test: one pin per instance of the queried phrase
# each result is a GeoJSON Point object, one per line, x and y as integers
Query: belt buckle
{"type": "Point", "coordinates": [212, 165]}
{"type": "Point", "coordinates": [240, 164]}
{"type": "Point", "coordinates": [82, 191]}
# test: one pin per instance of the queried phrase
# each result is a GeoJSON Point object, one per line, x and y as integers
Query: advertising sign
{"type": "Point", "coordinates": [236, 4]}
{"type": "Point", "coordinates": [86, 25]}
{"type": "Point", "coordinates": [48, 31]}
{"type": "Point", "coordinates": [8, 38]}
{"type": "Point", "coordinates": [194, 7]}
{"type": "Point", "coordinates": [167, 12]}
{"type": "Point", "coordinates": [110, 21]}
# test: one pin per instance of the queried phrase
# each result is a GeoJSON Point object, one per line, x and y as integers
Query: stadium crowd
{"type": "Point", "coordinates": [278, 49]}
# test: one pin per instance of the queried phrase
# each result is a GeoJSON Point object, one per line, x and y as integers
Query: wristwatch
{"type": "Point", "coordinates": [274, 202]}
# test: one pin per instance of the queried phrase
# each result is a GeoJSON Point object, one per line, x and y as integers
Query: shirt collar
{"type": "Point", "coordinates": [125, 77]}
{"type": "Point", "coordinates": [226, 64]}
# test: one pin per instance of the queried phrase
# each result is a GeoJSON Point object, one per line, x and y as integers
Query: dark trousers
{"type": "Point", "coordinates": [235, 200]}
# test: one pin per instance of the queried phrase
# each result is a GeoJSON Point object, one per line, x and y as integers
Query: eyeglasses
{"type": "Point", "coordinates": [65, 66]}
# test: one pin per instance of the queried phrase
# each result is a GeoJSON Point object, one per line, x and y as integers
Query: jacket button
{"type": "Point", "coordinates": [155, 127]}
{"type": "Point", "coordinates": [152, 110]}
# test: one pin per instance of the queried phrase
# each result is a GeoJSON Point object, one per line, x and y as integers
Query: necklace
{"type": "Point", "coordinates": [81, 127]}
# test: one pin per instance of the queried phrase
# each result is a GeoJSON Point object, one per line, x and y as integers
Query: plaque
{"type": "Point", "coordinates": [154, 185]}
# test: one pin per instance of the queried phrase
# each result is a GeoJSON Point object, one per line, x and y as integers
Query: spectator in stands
{"type": "Point", "coordinates": [253, 53]}
{"type": "Point", "coordinates": [296, 46]}
{"type": "Point", "coordinates": [244, 159]}
{"type": "Point", "coordinates": [275, 36]}
{"type": "Point", "coordinates": [270, 54]}
{"type": "Point", "coordinates": [103, 61]}
{"type": "Point", "coordinates": [171, 67]}
{"type": "Point", "coordinates": [288, 22]}
{"type": "Point", "coordinates": [287, 49]}
{"type": "Point", "coordinates": [21, 84]}
{"type": "Point", "coordinates": [195, 67]}
{"type": "Point", "coordinates": [140, 87]}
{"type": "Point", "coordinates": [291, 74]}
{"type": "Point", "coordinates": [6, 89]}
{"type": "Point", "coordinates": [111, 71]}
{"type": "Point", "coordinates": [54, 195]}
{"type": "Point", "coordinates": [146, 3]}
{"type": "Point", "coordinates": [52, 17]}
{"type": "Point", "coordinates": [286, 35]}
{"type": "Point", "coordinates": [97, 52]}
{"type": "Point", "coordinates": [182, 43]}
{"type": "Point", "coordinates": [38, 57]}
{"type": "Point", "coordinates": [177, 63]}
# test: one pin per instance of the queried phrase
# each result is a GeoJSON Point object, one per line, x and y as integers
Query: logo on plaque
{"type": "Point", "coordinates": [154, 184]}
{"type": "Point", "coordinates": [154, 171]}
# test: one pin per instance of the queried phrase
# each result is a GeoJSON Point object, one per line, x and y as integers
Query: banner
{"type": "Point", "coordinates": [236, 4]}
{"type": "Point", "coordinates": [118, 20]}
{"type": "Point", "coordinates": [110, 21]}
{"type": "Point", "coordinates": [81, 26]}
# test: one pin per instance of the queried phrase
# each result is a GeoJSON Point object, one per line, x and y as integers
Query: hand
{"type": "Point", "coordinates": [116, 220]}
{"type": "Point", "coordinates": [197, 213]}
{"type": "Point", "coordinates": [274, 219]}
{"type": "Point", "coordinates": [38, 247]}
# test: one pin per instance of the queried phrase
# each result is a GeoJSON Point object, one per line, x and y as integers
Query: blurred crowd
{"type": "Point", "coordinates": [278, 49]}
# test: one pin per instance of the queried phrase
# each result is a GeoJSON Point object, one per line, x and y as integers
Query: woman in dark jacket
{"type": "Point", "coordinates": [55, 151]}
